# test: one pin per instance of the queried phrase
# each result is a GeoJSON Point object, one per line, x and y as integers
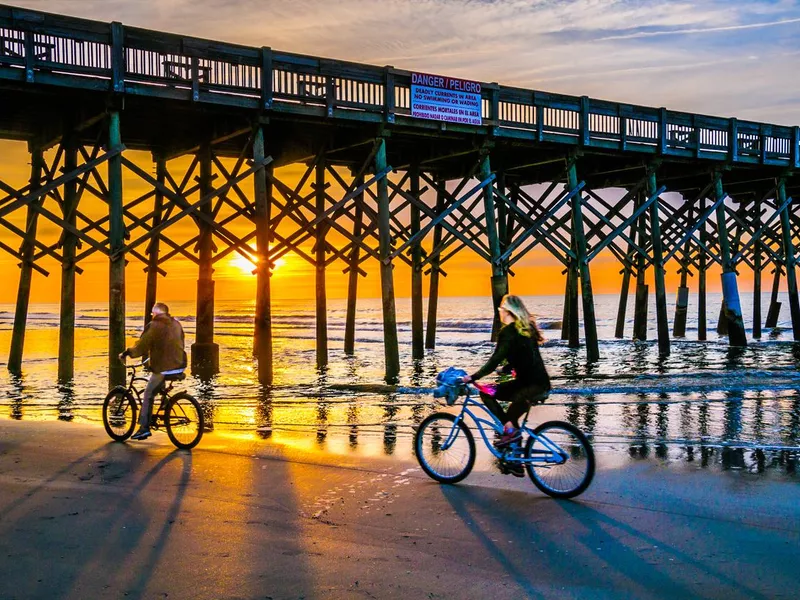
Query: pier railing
{"type": "Point", "coordinates": [44, 48]}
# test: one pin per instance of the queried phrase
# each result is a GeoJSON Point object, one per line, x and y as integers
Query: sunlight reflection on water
{"type": "Point", "coordinates": [704, 405]}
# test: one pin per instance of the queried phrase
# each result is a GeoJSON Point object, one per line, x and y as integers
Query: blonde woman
{"type": "Point", "coordinates": [518, 345]}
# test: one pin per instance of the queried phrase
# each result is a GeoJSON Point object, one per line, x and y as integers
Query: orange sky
{"type": "Point", "coordinates": [468, 274]}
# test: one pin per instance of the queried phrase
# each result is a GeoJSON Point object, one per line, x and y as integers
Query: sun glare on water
{"type": "Point", "coordinates": [245, 267]}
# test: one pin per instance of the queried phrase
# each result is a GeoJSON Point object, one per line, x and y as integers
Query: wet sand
{"type": "Point", "coordinates": [243, 517]}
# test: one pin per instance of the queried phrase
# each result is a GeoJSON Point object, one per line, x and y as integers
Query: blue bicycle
{"type": "Point", "coordinates": [556, 455]}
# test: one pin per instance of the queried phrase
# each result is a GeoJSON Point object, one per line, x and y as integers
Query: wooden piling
{"type": "Point", "coordinates": [319, 259]}
{"type": "Point", "coordinates": [789, 260]}
{"type": "Point", "coordinates": [565, 309]}
{"type": "Point", "coordinates": [571, 307]}
{"type": "Point", "coordinates": [417, 335]}
{"type": "Point", "coordinates": [66, 332]}
{"type": "Point", "coordinates": [390, 344]}
{"type": "Point", "coordinates": [662, 322]}
{"type": "Point", "coordinates": [205, 353]}
{"type": "Point", "coordinates": [730, 289]}
{"type": "Point", "coordinates": [619, 331]}
{"type": "Point", "coordinates": [26, 270]}
{"type": "Point", "coordinates": [352, 283]}
{"type": "Point", "coordinates": [589, 321]}
{"type": "Point", "coordinates": [499, 280]}
{"type": "Point", "coordinates": [151, 285]}
{"type": "Point", "coordinates": [433, 290]}
{"type": "Point", "coordinates": [262, 199]}
{"type": "Point", "coordinates": [757, 267]}
{"type": "Point", "coordinates": [702, 265]}
{"type": "Point", "coordinates": [116, 274]}
{"type": "Point", "coordinates": [682, 299]}
{"type": "Point", "coordinates": [640, 308]}
{"type": "Point", "coordinates": [774, 306]}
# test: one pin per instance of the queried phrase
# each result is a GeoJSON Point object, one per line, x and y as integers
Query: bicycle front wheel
{"type": "Point", "coordinates": [445, 451]}
{"type": "Point", "coordinates": [119, 414]}
{"type": "Point", "coordinates": [184, 421]}
{"type": "Point", "coordinates": [561, 459]}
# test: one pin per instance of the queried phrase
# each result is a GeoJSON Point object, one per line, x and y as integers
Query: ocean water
{"type": "Point", "coordinates": [706, 405]}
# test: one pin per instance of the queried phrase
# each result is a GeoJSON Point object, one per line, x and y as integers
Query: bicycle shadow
{"type": "Point", "coordinates": [67, 516]}
{"type": "Point", "coordinates": [477, 508]}
{"type": "Point", "coordinates": [124, 546]}
{"type": "Point", "coordinates": [629, 564]}
{"type": "Point", "coordinates": [544, 544]}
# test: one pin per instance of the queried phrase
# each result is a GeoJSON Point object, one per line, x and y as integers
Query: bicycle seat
{"type": "Point", "coordinates": [175, 377]}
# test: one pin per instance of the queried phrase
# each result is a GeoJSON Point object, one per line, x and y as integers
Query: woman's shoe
{"type": "Point", "coordinates": [142, 434]}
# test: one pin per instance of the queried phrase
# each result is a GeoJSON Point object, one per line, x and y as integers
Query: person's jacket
{"type": "Point", "coordinates": [162, 339]}
{"type": "Point", "coordinates": [521, 354]}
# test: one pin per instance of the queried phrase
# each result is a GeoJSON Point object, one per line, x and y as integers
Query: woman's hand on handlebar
{"type": "Point", "coordinates": [466, 379]}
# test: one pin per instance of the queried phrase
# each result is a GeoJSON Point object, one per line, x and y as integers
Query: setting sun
{"type": "Point", "coordinates": [247, 267]}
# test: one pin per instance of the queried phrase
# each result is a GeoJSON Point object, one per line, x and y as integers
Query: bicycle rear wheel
{"type": "Point", "coordinates": [445, 452]}
{"type": "Point", "coordinates": [119, 414]}
{"type": "Point", "coordinates": [184, 421]}
{"type": "Point", "coordinates": [563, 461]}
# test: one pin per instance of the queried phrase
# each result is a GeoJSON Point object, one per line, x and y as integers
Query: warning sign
{"type": "Point", "coordinates": [445, 99]}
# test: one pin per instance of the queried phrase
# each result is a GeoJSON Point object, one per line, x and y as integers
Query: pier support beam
{"type": "Point", "coordinates": [319, 259]}
{"type": "Point", "coordinates": [774, 310]}
{"type": "Point", "coordinates": [570, 324]}
{"type": "Point", "coordinates": [682, 300]}
{"type": "Point", "coordinates": [499, 275]}
{"type": "Point", "coordinates": [730, 289]}
{"type": "Point", "coordinates": [627, 268]}
{"type": "Point", "coordinates": [151, 286]}
{"type": "Point", "coordinates": [66, 331]}
{"type": "Point", "coordinates": [417, 335]}
{"type": "Point", "coordinates": [642, 289]}
{"type": "Point", "coordinates": [757, 267]}
{"type": "Point", "coordinates": [658, 268]}
{"type": "Point", "coordinates": [619, 330]}
{"type": "Point", "coordinates": [26, 270]}
{"type": "Point", "coordinates": [352, 283]}
{"type": "Point", "coordinates": [789, 260]}
{"type": "Point", "coordinates": [116, 273]}
{"type": "Point", "coordinates": [390, 346]}
{"type": "Point", "coordinates": [702, 260]}
{"type": "Point", "coordinates": [589, 321]}
{"type": "Point", "coordinates": [262, 327]}
{"type": "Point", "coordinates": [433, 290]}
{"type": "Point", "coordinates": [205, 353]}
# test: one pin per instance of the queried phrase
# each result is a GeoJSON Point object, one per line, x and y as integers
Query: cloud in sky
{"type": "Point", "coordinates": [708, 56]}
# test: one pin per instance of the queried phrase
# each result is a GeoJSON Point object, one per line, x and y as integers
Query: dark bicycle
{"type": "Point", "coordinates": [178, 413]}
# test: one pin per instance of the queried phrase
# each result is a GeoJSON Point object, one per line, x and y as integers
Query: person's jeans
{"type": "Point", "coordinates": [156, 381]}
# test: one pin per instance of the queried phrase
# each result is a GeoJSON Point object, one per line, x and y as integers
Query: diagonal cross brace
{"type": "Point", "coordinates": [757, 236]}
{"type": "Point", "coordinates": [441, 217]}
{"type": "Point", "coordinates": [538, 223]}
{"type": "Point", "coordinates": [691, 231]}
{"type": "Point", "coordinates": [191, 209]}
{"type": "Point", "coordinates": [619, 231]}
{"type": "Point", "coordinates": [53, 184]}
{"type": "Point", "coordinates": [430, 213]}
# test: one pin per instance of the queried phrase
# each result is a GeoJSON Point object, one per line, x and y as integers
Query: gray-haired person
{"type": "Point", "coordinates": [162, 339]}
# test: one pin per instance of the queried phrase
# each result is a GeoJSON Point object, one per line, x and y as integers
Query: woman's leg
{"type": "Point", "coordinates": [521, 403]}
{"type": "Point", "coordinates": [494, 407]}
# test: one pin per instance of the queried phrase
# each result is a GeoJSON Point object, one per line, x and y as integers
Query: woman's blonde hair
{"type": "Point", "coordinates": [523, 320]}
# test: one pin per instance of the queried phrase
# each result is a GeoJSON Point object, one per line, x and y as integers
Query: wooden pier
{"type": "Point", "coordinates": [540, 170]}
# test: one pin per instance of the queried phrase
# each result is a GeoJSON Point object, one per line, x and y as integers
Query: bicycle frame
{"type": "Point", "coordinates": [552, 454]}
{"type": "Point", "coordinates": [163, 392]}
